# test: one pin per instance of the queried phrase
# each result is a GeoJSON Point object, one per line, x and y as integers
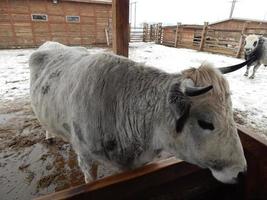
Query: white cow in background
{"type": "Point", "coordinates": [255, 44]}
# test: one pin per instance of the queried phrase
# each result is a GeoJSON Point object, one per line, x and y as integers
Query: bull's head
{"type": "Point", "coordinates": [205, 132]}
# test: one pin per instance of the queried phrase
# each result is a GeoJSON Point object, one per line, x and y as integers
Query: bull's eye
{"type": "Point", "coordinates": [205, 125]}
{"type": "Point", "coordinates": [255, 43]}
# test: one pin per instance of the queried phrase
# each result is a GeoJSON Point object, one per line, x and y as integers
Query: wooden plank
{"type": "Point", "coordinates": [203, 36]}
{"type": "Point", "coordinates": [71, 9]}
{"type": "Point", "coordinates": [11, 22]}
{"type": "Point", "coordinates": [255, 147]}
{"type": "Point", "coordinates": [120, 26]}
{"type": "Point", "coordinates": [54, 9]}
{"type": "Point", "coordinates": [107, 36]}
{"type": "Point", "coordinates": [101, 189]}
{"type": "Point", "coordinates": [49, 23]}
{"type": "Point", "coordinates": [56, 19]}
{"type": "Point", "coordinates": [179, 179]}
{"type": "Point", "coordinates": [17, 6]}
{"type": "Point", "coordinates": [4, 17]}
{"type": "Point", "coordinates": [38, 7]}
{"type": "Point", "coordinates": [106, 2]}
{"type": "Point", "coordinates": [241, 41]}
{"type": "Point", "coordinates": [65, 24]}
{"type": "Point", "coordinates": [177, 34]}
{"type": "Point", "coordinates": [80, 25]}
{"type": "Point", "coordinates": [87, 10]}
{"type": "Point", "coordinates": [31, 23]}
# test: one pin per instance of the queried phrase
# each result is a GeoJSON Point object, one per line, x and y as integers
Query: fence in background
{"type": "Point", "coordinates": [210, 39]}
{"type": "Point", "coordinates": [147, 33]}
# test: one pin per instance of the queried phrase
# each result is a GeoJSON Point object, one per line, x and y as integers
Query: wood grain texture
{"type": "Point", "coordinates": [120, 25]}
{"type": "Point", "coordinates": [174, 179]}
{"type": "Point", "coordinates": [18, 30]}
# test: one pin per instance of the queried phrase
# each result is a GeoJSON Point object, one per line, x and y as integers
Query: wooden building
{"type": "Point", "coordinates": [29, 23]}
{"type": "Point", "coordinates": [185, 35]}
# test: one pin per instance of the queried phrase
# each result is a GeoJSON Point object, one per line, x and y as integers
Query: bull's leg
{"type": "Point", "coordinates": [49, 137]}
{"type": "Point", "coordinates": [254, 71]}
{"type": "Point", "coordinates": [93, 170]}
{"type": "Point", "coordinates": [247, 71]}
{"type": "Point", "coordinates": [89, 169]}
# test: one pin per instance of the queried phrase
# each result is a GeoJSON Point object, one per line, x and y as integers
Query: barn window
{"type": "Point", "coordinates": [73, 18]}
{"type": "Point", "coordinates": [39, 17]}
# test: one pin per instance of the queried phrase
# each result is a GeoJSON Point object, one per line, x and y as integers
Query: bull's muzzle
{"type": "Point", "coordinates": [248, 50]}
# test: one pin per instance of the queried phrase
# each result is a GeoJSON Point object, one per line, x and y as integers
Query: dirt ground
{"type": "Point", "coordinates": [29, 165]}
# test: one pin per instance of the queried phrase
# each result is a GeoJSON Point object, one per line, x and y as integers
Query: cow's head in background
{"type": "Point", "coordinates": [206, 134]}
{"type": "Point", "coordinates": [252, 42]}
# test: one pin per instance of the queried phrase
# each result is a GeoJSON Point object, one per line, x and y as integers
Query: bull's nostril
{"type": "Point", "coordinates": [245, 170]}
{"type": "Point", "coordinates": [241, 176]}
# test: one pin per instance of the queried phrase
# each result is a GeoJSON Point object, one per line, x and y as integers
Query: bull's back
{"type": "Point", "coordinates": [52, 77]}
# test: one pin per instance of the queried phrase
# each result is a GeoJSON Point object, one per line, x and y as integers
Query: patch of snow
{"type": "Point", "coordinates": [14, 73]}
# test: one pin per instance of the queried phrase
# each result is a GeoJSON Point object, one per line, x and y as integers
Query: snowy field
{"type": "Point", "coordinates": [249, 95]}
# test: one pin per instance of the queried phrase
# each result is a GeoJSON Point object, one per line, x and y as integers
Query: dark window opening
{"type": "Point", "coordinates": [39, 17]}
{"type": "Point", "coordinates": [73, 18]}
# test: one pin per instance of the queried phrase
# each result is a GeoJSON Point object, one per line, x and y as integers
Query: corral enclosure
{"type": "Point", "coordinates": [225, 37]}
{"type": "Point", "coordinates": [29, 23]}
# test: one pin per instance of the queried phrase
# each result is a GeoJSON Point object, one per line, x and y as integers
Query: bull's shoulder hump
{"type": "Point", "coordinates": [112, 58]}
{"type": "Point", "coordinates": [39, 57]}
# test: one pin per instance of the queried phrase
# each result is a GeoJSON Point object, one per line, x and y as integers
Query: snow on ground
{"type": "Point", "coordinates": [15, 73]}
{"type": "Point", "coordinates": [249, 96]}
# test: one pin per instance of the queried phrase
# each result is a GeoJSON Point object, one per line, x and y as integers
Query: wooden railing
{"type": "Point", "coordinates": [208, 38]}
{"type": "Point", "coordinates": [175, 179]}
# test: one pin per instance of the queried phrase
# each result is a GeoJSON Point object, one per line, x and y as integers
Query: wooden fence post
{"type": "Point", "coordinates": [145, 32]}
{"type": "Point", "coordinates": [159, 32]}
{"type": "Point", "coordinates": [120, 27]}
{"type": "Point", "coordinates": [177, 34]}
{"type": "Point", "coordinates": [129, 32]}
{"type": "Point", "coordinates": [156, 33]}
{"type": "Point", "coordinates": [240, 46]}
{"type": "Point", "coordinates": [151, 33]}
{"type": "Point", "coordinates": [107, 36]}
{"type": "Point", "coordinates": [203, 36]}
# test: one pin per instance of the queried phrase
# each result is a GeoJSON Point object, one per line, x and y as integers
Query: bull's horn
{"type": "Point", "coordinates": [225, 70]}
{"type": "Point", "coordinates": [195, 91]}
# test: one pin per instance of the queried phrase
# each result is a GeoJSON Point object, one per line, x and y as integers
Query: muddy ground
{"type": "Point", "coordinates": [29, 165]}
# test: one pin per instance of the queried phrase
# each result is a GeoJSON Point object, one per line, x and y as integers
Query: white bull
{"type": "Point", "coordinates": [112, 109]}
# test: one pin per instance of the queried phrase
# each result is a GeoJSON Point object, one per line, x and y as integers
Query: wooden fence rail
{"type": "Point", "coordinates": [147, 33]}
{"type": "Point", "coordinates": [174, 179]}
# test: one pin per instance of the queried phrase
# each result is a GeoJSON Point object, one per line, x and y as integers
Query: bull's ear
{"type": "Point", "coordinates": [178, 100]}
{"type": "Point", "coordinates": [180, 105]}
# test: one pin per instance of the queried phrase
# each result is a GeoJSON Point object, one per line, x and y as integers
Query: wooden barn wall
{"type": "Point", "coordinates": [17, 30]}
{"type": "Point", "coordinates": [238, 25]}
{"type": "Point", "coordinates": [168, 36]}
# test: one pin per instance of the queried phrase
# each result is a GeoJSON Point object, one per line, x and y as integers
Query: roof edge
{"type": "Point", "coordinates": [90, 1]}
{"type": "Point", "coordinates": [239, 19]}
